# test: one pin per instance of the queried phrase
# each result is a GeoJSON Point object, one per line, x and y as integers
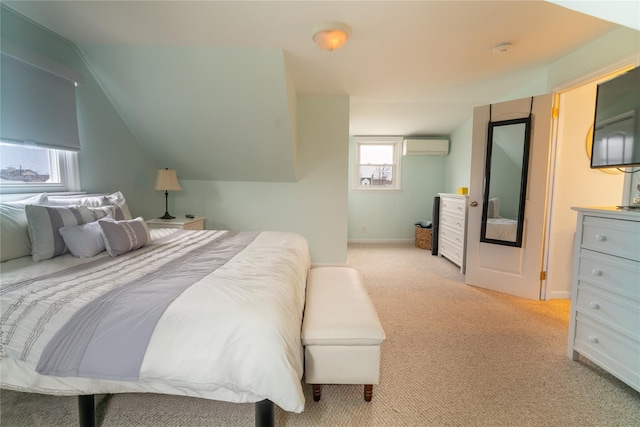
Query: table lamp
{"type": "Point", "coordinates": [168, 181]}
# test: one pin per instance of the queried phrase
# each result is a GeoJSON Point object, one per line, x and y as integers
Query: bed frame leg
{"type": "Point", "coordinates": [87, 410]}
{"type": "Point", "coordinates": [265, 414]}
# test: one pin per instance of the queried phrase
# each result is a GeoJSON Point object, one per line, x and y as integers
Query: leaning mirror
{"type": "Point", "coordinates": [505, 182]}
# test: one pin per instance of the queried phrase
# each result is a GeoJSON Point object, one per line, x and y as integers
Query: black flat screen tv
{"type": "Point", "coordinates": [616, 128]}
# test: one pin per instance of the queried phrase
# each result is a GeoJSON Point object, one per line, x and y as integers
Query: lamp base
{"type": "Point", "coordinates": [166, 216]}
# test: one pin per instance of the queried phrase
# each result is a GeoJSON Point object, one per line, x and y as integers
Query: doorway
{"type": "Point", "coordinates": [572, 182]}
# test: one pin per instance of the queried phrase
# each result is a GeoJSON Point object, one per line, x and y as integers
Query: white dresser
{"type": "Point", "coordinates": [605, 292]}
{"type": "Point", "coordinates": [452, 228]}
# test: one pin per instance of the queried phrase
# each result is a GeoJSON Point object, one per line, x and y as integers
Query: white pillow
{"type": "Point", "coordinates": [14, 235]}
{"type": "Point", "coordinates": [44, 222]}
{"type": "Point", "coordinates": [83, 241]}
{"type": "Point", "coordinates": [75, 200]}
{"type": "Point", "coordinates": [114, 199]}
{"type": "Point", "coordinates": [125, 236]}
{"type": "Point", "coordinates": [122, 209]}
{"type": "Point", "coordinates": [493, 210]}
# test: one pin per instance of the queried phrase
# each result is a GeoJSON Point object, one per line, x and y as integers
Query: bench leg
{"type": "Point", "coordinates": [368, 392]}
{"type": "Point", "coordinates": [317, 392]}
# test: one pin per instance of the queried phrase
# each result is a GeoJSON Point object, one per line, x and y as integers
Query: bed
{"type": "Point", "coordinates": [214, 314]}
{"type": "Point", "coordinates": [502, 229]}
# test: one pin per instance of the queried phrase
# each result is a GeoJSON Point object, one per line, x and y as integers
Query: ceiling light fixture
{"type": "Point", "coordinates": [501, 48]}
{"type": "Point", "coordinates": [330, 35]}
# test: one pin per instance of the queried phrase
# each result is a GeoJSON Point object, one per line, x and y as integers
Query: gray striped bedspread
{"type": "Point", "coordinates": [213, 314]}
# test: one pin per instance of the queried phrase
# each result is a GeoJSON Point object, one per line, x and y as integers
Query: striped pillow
{"type": "Point", "coordinates": [44, 221]}
{"type": "Point", "coordinates": [125, 236]}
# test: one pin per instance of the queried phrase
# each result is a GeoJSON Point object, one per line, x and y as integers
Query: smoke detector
{"type": "Point", "coordinates": [501, 48]}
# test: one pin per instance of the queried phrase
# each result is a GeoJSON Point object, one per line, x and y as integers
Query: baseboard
{"type": "Point", "coordinates": [404, 241]}
{"type": "Point", "coordinates": [560, 295]}
{"type": "Point", "coordinates": [315, 265]}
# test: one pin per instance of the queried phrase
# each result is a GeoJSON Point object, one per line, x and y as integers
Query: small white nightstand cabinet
{"type": "Point", "coordinates": [195, 223]}
{"type": "Point", "coordinates": [605, 292]}
{"type": "Point", "coordinates": [452, 229]}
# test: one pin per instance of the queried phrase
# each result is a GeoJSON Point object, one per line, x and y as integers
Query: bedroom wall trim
{"type": "Point", "coordinates": [390, 241]}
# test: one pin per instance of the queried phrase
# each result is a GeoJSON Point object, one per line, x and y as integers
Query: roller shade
{"type": "Point", "coordinates": [37, 107]}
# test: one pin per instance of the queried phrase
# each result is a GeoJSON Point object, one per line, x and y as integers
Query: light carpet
{"type": "Point", "coordinates": [455, 355]}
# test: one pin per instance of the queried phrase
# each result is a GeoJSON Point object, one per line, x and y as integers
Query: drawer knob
{"type": "Point", "coordinates": [593, 339]}
{"type": "Point", "coordinates": [596, 272]}
{"type": "Point", "coordinates": [594, 305]}
{"type": "Point", "coordinates": [601, 237]}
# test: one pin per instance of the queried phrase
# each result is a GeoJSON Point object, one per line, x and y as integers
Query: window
{"type": "Point", "coordinates": [377, 163]}
{"type": "Point", "coordinates": [39, 136]}
{"type": "Point", "coordinates": [26, 169]}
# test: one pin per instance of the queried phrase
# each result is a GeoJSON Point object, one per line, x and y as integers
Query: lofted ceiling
{"type": "Point", "coordinates": [206, 86]}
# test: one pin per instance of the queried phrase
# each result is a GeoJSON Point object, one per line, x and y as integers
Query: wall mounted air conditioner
{"type": "Point", "coordinates": [414, 146]}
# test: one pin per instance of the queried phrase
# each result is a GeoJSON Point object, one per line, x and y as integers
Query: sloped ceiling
{"type": "Point", "coordinates": [209, 87]}
{"type": "Point", "coordinates": [210, 113]}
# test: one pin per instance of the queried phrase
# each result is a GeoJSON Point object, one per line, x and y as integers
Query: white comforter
{"type": "Point", "coordinates": [233, 335]}
{"type": "Point", "coordinates": [502, 229]}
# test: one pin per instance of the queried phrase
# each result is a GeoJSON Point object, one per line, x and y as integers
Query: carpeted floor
{"type": "Point", "coordinates": [455, 355]}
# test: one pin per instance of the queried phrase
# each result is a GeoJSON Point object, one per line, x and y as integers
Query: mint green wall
{"type": "Point", "coordinates": [505, 178]}
{"type": "Point", "coordinates": [390, 216]}
{"type": "Point", "coordinates": [458, 165]}
{"type": "Point", "coordinates": [110, 158]}
{"type": "Point", "coordinates": [620, 47]}
{"type": "Point", "coordinates": [314, 206]}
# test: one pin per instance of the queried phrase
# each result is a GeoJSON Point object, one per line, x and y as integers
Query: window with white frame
{"type": "Point", "coordinates": [377, 163]}
{"type": "Point", "coordinates": [39, 136]}
{"type": "Point", "coordinates": [25, 169]}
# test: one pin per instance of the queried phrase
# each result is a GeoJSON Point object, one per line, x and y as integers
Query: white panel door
{"type": "Point", "coordinates": [501, 268]}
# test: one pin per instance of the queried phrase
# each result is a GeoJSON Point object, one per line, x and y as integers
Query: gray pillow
{"type": "Point", "coordinates": [83, 241]}
{"type": "Point", "coordinates": [45, 221]}
{"type": "Point", "coordinates": [124, 236]}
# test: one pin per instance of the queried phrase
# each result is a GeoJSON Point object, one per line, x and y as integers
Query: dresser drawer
{"type": "Point", "coordinates": [616, 312]}
{"type": "Point", "coordinates": [453, 235]}
{"type": "Point", "coordinates": [453, 205]}
{"type": "Point", "coordinates": [610, 273]}
{"type": "Point", "coordinates": [453, 221]}
{"type": "Point", "coordinates": [612, 236]}
{"type": "Point", "coordinates": [450, 251]}
{"type": "Point", "coordinates": [616, 354]}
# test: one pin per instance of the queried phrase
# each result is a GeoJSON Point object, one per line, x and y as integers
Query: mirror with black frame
{"type": "Point", "coordinates": [505, 182]}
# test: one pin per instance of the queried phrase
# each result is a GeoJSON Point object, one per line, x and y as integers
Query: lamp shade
{"type": "Point", "coordinates": [167, 180]}
{"type": "Point", "coordinates": [331, 35]}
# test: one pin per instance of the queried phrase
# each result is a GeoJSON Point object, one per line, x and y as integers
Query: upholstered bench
{"type": "Point", "coordinates": [341, 332]}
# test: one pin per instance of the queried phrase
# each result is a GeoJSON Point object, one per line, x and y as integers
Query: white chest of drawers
{"type": "Point", "coordinates": [452, 228]}
{"type": "Point", "coordinates": [605, 292]}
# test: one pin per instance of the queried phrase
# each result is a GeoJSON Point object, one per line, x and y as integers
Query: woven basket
{"type": "Point", "coordinates": [423, 238]}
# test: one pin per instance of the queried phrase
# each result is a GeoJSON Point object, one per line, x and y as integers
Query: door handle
{"type": "Point", "coordinates": [473, 204]}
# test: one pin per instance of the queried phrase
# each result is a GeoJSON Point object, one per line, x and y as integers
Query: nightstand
{"type": "Point", "coordinates": [195, 223]}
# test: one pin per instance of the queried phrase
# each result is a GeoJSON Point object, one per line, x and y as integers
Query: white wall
{"type": "Point", "coordinates": [314, 206]}
{"type": "Point", "coordinates": [575, 184]}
